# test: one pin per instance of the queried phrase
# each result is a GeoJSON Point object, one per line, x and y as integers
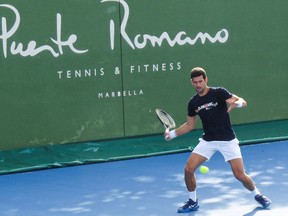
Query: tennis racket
{"type": "Point", "coordinates": [167, 121]}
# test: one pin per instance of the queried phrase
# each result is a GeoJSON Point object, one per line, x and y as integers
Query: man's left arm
{"type": "Point", "coordinates": [235, 102]}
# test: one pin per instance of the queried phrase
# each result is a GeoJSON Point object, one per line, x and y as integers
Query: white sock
{"type": "Point", "coordinates": [256, 191]}
{"type": "Point", "coordinates": [192, 195]}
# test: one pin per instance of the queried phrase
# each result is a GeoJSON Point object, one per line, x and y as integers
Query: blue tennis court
{"type": "Point", "coordinates": [150, 186]}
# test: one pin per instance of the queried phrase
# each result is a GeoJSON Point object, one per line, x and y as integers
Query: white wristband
{"type": "Point", "coordinates": [239, 103]}
{"type": "Point", "coordinates": [172, 134]}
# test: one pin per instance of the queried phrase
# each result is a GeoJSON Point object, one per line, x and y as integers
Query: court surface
{"type": "Point", "coordinates": [151, 186]}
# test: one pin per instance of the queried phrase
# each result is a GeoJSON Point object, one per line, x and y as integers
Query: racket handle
{"type": "Point", "coordinates": [167, 130]}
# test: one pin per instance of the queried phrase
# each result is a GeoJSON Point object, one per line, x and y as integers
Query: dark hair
{"type": "Point", "coordinates": [198, 71]}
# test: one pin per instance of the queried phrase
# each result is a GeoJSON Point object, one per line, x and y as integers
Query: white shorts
{"type": "Point", "coordinates": [229, 149]}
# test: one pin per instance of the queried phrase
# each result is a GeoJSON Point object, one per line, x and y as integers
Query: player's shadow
{"type": "Point", "coordinates": [193, 213]}
{"type": "Point", "coordinates": [255, 210]}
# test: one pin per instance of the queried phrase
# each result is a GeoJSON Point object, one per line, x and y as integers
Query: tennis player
{"type": "Point", "coordinates": [212, 105]}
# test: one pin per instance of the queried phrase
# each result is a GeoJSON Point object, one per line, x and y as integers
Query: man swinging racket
{"type": "Point", "coordinates": [210, 104]}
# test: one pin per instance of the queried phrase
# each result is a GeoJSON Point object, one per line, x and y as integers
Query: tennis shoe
{"type": "Point", "coordinates": [189, 206]}
{"type": "Point", "coordinates": [263, 200]}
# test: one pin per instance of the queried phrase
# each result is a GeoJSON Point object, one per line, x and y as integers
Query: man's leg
{"type": "Point", "coordinates": [237, 167]}
{"type": "Point", "coordinates": [194, 161]}
{"type": "Point", "coordinates": [239, 173]}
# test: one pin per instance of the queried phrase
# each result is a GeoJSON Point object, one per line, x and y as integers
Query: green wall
{"type": "Point", "coordinates": [75, 70]}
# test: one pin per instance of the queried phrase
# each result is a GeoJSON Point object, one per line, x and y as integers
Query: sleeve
{"type": "Point", "coordinates": [224, 93]}
{"type": "Point", "coordinates": [191, 109]}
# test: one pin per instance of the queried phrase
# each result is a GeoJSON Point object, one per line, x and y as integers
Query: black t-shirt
{"type": "Point", "coordinates": [212, 110]}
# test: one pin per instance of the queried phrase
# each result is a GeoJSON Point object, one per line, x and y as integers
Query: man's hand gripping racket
{"type": "Point", "coordinates": [168, 123]}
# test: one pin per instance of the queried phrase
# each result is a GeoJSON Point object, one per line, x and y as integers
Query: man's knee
{"type": "Point", "coordinates": [189, 169]}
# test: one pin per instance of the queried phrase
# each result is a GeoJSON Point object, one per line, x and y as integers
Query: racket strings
{"type": "Point", "coordinates": [166, 119]}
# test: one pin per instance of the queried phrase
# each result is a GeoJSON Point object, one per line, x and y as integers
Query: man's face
{"type": "Point", "coordinates": [200, 84]}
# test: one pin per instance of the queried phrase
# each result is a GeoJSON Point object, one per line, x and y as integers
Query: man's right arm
{"type": "Point", "coordinates": [188, 126]}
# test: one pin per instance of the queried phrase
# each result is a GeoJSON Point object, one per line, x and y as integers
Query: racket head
{"type": "Point", "coordinates": [165, 118]}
